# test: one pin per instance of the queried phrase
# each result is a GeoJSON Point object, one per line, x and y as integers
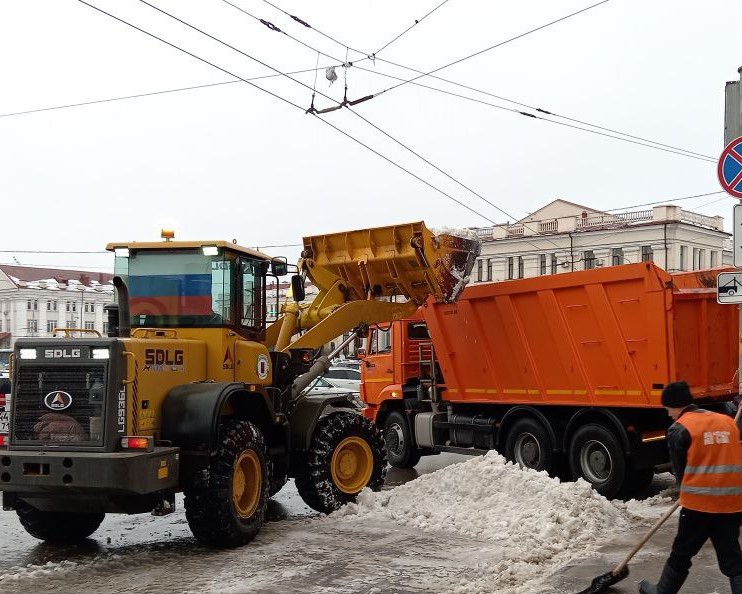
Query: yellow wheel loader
{"type": "Point", "coordinates": [193, 391]}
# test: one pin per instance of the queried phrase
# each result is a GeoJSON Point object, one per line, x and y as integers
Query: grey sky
{"type": "Point", "coordinates": [232, 162]}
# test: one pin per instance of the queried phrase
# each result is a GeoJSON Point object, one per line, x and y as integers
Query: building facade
{"type": "Point", "coordinates": [35, 301]}
{"type": "Point", "coordinates": [564, 237]}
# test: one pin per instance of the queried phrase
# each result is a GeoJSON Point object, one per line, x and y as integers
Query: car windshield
{"type": "Point", "coordinates": [186, 288]}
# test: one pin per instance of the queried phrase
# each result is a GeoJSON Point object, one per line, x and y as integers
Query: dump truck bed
{"type": "Point", "coordinates": [604, 337]}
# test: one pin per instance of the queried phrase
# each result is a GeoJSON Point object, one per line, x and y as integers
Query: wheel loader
{"type": "Point", "coordinates": [192, 391]}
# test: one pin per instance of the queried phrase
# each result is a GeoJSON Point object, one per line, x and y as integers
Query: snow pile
{"type": "Point", "coordinates": [529, 522]}
{"type": "Point", "coordinates": [465, 233]}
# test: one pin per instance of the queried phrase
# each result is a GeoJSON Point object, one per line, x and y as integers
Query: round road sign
{"type": "Point", "coordinates": [730, 168]}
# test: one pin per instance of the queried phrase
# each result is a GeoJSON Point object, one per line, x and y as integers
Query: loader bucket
{"type": "Point", "coordinates": [399, 260]}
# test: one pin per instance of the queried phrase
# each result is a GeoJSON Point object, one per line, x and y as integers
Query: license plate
{"type": "Point", "coordinates": [4, 421]}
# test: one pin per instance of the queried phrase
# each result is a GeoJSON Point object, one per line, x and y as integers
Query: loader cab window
{"type": "Point", "coordinates": [186, 288]}
{"type": "Point", "coordinates": [252, 306]}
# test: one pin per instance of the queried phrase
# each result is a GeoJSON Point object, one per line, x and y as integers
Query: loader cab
{"type": "Point", "coordinates": [189, 285]}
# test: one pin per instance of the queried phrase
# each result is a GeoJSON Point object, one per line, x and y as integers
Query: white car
{"type": "Point", "coordinates": [322, 387]}
{"type": "Point", "coordinates": [344, 377]}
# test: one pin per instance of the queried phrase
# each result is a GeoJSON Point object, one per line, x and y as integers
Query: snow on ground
{"type": "Point", "coordinates": [480, 526]}
{"type": "Point", "coordinates": [536, 522]}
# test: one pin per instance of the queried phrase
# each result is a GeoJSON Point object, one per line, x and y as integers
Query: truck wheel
{"type": "Point", "coordinates": [529, 445]}
{"type": "Point", "coordinates": [230, 510]}
{"type": "Point", "coordinates": [400, 448]}
{"type": "Point", "coordinates": [596, 456]}
{"type": "Point", "coordinates": [346, 454]}
{"type": "Point", "coordinates": [58, 527]}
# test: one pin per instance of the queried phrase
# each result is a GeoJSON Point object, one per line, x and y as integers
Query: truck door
{"type": "Point", "coordinates": [377, 368]}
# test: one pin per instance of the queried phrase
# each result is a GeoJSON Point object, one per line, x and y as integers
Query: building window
{"type": "Point", "coordinates": [48, 306]}
{"type": "Point", "coordinates": [68, 306]}
{"type": "Point", "coordinates": [616, 256]}
{"type": "Point", "coordinates": [479, 271]}
{"type": "Point", "coordinates": [105, 328]}
{"type": "Point", "coordinates": [89, 325]}
{"type": "Point", "coordinates": [542, 264]}
{"type": "Point", "coordinates": [50, 325]}
{"type": "Point", "coordinates": [33, 326]}
{"type": "Point", "coordinates": [520, 267]}
{"type": "Point", "coordinates": [701, 259]}
{"type": "Point", "coordinates": [553, 263]}
{"type": "Point", "coordinates": [489, 269]}
{"type": "Point", "coordinates": [28, 304]}
{"type": "Point", "coordinates": [589, 258]}
{"type": "Point", "coordinates": [92, 308]}
{"type": "Point", "coordinates": [683, 257]}
{"type": "Point", "coordinates": [510, 267]}
{"type": "Point", "coordinates": [72, 323]}
{"type": "Point", "coordinates": [74, 306]}
{"type": "Point", "coordinates": [714, 259]}
{"type": "Point", "coordinates": [647, 253]}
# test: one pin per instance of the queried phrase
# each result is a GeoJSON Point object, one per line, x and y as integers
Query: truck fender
{"type": "Point", "coordinates": [519, 412]}
{"type": "Point", "coordinates": [608, 417]}
{"type": "Point", "coordinates": [190, 414]}
{"type": "Point", "coordinates": [307, 413]}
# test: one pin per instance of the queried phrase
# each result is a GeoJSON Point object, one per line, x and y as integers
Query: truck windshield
{"type": "Point", "coordinates": [185, 288]}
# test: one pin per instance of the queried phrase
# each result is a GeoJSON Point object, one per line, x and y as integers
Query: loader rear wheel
{"type": "Point", "coordinates": [61, 527]}
{"type": "Point", "coordinates": [346, 454]}
{"type": "Point", "coordinates": [230, 510]}
{"type": "Point", "coordinates": [529, 444]}
{"type": "Point", "coordinates": [596, 456]}
{"type": "Point", "coordinates": [400, 447]}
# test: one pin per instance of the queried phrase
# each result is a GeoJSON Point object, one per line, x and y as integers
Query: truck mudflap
{"type": "Point", "coordinates": [138, 473]}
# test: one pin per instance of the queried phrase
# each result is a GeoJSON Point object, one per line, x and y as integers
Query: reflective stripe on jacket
{"type": "Point", "coordinates": [712, 481]}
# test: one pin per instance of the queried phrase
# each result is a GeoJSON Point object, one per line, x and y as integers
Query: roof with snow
{"type": "Point", "coordinates": [59, 278]}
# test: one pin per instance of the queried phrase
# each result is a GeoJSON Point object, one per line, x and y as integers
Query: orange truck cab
{"type": "Point", "coordinates": [561, 373]}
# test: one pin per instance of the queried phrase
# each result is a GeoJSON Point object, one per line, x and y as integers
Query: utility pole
{"type": "Point", "coordinates": [732, 131]}
{"type": "Point", "coordinates": [733, 109]}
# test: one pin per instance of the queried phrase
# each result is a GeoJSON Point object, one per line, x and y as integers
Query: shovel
{"type": "Point", "coordinates": [621, 570]}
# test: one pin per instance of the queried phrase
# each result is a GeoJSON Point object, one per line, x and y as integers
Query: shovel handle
{"type": "Point", "coordinates": [644, 540]}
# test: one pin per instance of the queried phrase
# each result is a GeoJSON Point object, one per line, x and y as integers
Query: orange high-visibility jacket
{"type": "Point", "coordinates": [712, 481]}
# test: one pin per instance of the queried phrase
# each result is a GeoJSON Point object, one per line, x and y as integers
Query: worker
{"type": "Point", "coordinates": [706, 459]}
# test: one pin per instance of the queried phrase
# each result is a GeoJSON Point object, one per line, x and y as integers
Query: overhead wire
{"type": "Point", "coordinates": [353, 112]}
{"type": "Point", "coordinates": [287, 102]}
{"type": "Point", "coordinates": [665, 201]}
{"type": "Point", "coordinates": [675, 150]}
{"type": "Point", "coordinates": [294, 105]}
{"type": "Point", "coordinates": [499, 44]}
{"type": "Point", "coordinates": [502, 98]}
{"type": "Point", "coordinates": [407, 30]}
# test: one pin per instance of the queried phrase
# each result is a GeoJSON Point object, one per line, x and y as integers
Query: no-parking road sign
{"type": "Point", "coordinates": [730, 168]}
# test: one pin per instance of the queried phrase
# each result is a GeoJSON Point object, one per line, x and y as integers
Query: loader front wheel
{"type": "Point", "coordinates": [346, 455]}
{"type": "Point", "coordinates": [59, 527]}
{"type": "Point", "coordinates": [230, 510]}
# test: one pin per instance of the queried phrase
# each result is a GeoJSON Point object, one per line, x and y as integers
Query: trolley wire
{"type": "Point", "coordinates": [471, 88]}
{"type": "Point", "coordinates": [341, 131]}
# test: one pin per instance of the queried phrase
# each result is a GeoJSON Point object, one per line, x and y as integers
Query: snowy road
{"type": "Point", "coordinates": [366, 552]}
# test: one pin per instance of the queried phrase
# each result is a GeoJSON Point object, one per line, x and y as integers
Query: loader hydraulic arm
{"type": "Point", "coordinates": [372, 275]}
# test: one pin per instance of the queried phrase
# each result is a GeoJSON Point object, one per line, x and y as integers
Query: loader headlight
{"type": "Point", "coordinates": [28, 353]}
{"type": "Point", "coordinates": [101, 354]}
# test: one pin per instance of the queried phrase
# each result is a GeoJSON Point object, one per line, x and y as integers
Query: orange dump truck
{"type": "Point", "coordinates": [562, 373]}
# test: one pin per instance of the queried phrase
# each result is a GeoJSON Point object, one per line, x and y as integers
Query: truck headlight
{"type": "Point", "coordinates": [28, 353]}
